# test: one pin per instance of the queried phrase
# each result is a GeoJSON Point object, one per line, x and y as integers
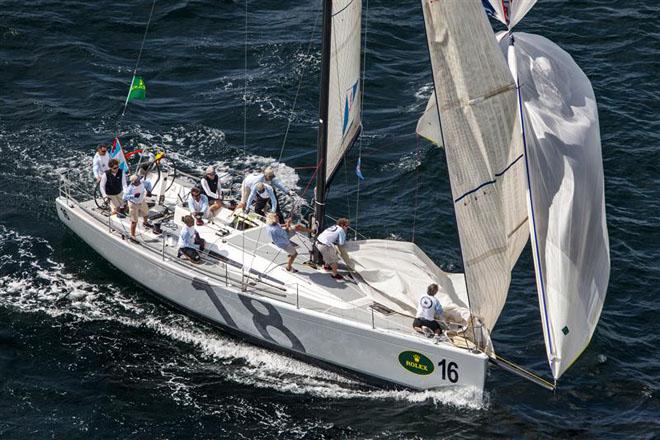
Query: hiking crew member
{"type": "Point", "coordinates": [334, 235]}
{"type": "Point", "coordinates": [112, 185]}
{"type": "Point", "coordinates": [428, 308]}
{"type": "Point", "coordinates": [100, 162]}
{"type": "Point", "coordinates": [198, 205]}
{"type": "Point", "coordinates": [211, 186]}
{"type": "Point", "coordinates": [136, 194]}
{"type": "Point", "coordinates": [190, 241]}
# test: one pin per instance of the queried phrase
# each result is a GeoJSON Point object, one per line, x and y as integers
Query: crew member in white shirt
{"type": "Point", "coordinates": [100, 162]}
{"type": "Point", "coordinates": [334, 235]}
{"type": "Point", "coordinates": [136, 194]}
{"type": "Point", "coordinates": [189, 241]}
{"type": "Point", "coordinates": [199, 207]}
{"type": "Point", "coordinates": [427, 310]}
{"type": "Point", "coordinates": [267, 177]}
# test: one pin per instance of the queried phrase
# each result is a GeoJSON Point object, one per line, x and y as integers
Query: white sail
{"type": "Point", "coordinates": [428, 125]}
{"type": "Point", "coordinates": [344, 94]}
{"type": "Point", "coordinates": [569, 231]}
{"type": "Point", "coordinates": [477, 98]}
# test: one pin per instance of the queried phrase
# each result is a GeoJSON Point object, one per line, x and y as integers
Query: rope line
{"type": "Point", "coordinates": [300, 81]}
{"type": "Point", "coordinates": [137, 63]}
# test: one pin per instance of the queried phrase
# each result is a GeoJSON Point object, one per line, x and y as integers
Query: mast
{"type": "Point", "coordinates": [322, 144]}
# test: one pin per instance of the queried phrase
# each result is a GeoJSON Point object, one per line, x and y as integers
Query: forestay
{"type": "Point", "coordinates": [477, 101]}
{"type": "Point", "coordinates": [569, 232]}
{"type": "Point", "coordinates": [344, 106]}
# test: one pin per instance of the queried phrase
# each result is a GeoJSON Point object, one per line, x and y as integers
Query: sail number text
{"type": "Point", "coordinates": [448, 370]}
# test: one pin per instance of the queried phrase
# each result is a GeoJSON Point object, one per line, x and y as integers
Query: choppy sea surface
{"type": "Point", "coordinates": [87, 353]}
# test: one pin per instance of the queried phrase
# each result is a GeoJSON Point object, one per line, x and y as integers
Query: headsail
{"type": "Point", "coordinates": [344, 94]}
{"type": "Point", "coordinates": [428, 125]}
{"type": "Point", "coordinates": [566, 187]}
{"type": "Point", "coordinates": [477, 101]}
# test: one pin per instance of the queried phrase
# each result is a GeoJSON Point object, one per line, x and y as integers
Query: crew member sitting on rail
{"type": "Point", "coordinates": [198, 204]}
{"type": "Point", "coordinates": [334, 235]}
{"type": "Point", "coordinates": [100, 162]}
{"type": "Point", "coordinates": [190, 241]}
{"type": "Point", "coordinates": [268, 177]}
{"type": "Point", "coordinates": [262, 194]}
{"type": "Point", "coordinates": [211, 186]}
{"type": "Point", "coordinates": [281, 237]}
{"type": "Point", "coordinates": [136, 194]}
{"type": "Point", "coordinates": [429, 307]}
{"type": "Point", "coordinates": [113, 183]}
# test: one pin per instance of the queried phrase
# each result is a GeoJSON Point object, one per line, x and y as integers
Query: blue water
{"type": "Point", "coordinates": [108, 361]}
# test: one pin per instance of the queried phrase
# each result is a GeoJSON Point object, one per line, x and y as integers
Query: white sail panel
{"type": "Point", "coordinates": [428, 126]}
{"type": "Point", "coordinates": [567, 195]}
{"type": "Point", "coordinates": [477, 99]}
{"type": "Point", "coordinates": [509, 12]}
{"type": "Point", "coordinates": [344, 94]}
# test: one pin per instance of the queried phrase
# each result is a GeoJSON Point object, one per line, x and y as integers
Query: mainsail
{"type": "Point", "coordinates": [477, 101]}
{"type": "Point", "coordinates": [344, 94]}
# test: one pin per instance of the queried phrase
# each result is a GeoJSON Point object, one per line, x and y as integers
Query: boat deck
{"type": "Point", "coordinates": [247, 260]}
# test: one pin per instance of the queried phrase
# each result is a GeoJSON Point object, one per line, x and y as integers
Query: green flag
{"type": "Point", "coordinates": [138, 89]}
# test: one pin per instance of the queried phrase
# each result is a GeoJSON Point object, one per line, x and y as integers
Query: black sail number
{"type": "Point", "coordinates": [448, 370]}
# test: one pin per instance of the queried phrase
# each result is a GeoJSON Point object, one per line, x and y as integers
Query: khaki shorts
{"type": "Point", "coordinates": [290, 250]}
{"type": "Point", "coordinates": [138, 210]}
{"type": "Point", "coordinates": [245, 193]}
{"type": "Point", "coordinates": [116, 201]}
{"type": "Point", "coordinates": [329, 253]}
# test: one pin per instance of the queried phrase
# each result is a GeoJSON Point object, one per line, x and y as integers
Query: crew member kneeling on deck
{"type": "Point", "coordinates": [112, 185]}
{"type": "Point", "coordinates": [334, 235]}
{"type": "Point", "coordinates": [136, 194]}
{"type": "Point", "coordinates": [428, 308]}
{"type": "Point", "coordinates": [190, 241]}
{"type": "Point", "coordinates": [198, 204]}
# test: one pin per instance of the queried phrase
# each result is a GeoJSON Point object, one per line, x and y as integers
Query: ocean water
{"type": "Point", "coordinates": [87, 353]}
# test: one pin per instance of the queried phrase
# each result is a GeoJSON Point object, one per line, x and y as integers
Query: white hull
{"type": "Point", "coordinates": [356, 346]}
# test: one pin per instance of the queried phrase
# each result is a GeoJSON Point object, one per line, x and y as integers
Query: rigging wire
{"type": "Point", "coordinates": [300, 81]}
{"type": "Point", "coordinates": [364, 69]}
{"type": "Point", "coordinates": [416, 161]}
{"type": "Point", "coordinates": [245, 81]}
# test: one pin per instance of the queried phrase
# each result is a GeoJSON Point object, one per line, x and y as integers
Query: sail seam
{"type": "Point", "coordinates": [485, 255]}
{"type": "Point", "coordinates": [469, 102]}
{"type": "Point", "coordinates": [489, 182]}
{"type": "Point", "coordinates": [342, 9]}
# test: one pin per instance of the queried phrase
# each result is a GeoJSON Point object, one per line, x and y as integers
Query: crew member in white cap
{"type": "Point", "coordinates": [211, 185]}
{"type": "Point", "coordinates": [136, 194]}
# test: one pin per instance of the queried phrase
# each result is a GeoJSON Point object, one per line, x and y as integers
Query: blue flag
{"type": "Point", "coordinates": [358, 171]}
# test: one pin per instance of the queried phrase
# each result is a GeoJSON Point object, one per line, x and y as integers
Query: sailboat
{"type": "Point", "coordinates": [363, 325]}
